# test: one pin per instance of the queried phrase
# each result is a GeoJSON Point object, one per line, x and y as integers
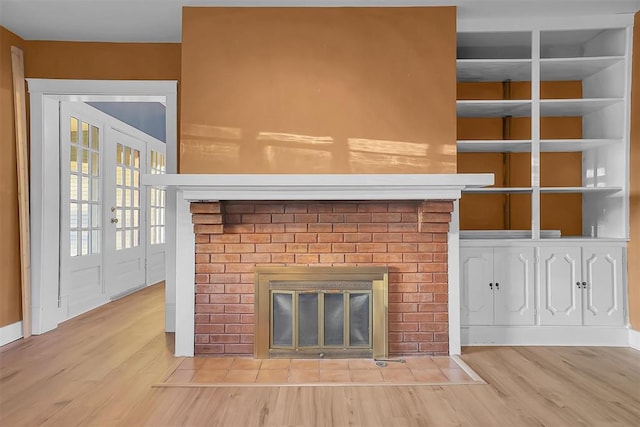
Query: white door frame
{"type": "Point", "coordinates": [45, 188]}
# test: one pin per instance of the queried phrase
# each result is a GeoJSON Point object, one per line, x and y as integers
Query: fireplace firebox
{"type": "Point", "coordinates": [312, 312]}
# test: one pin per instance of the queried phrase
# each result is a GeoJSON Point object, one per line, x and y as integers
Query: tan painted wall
{"type": "Point", "coordinates": [329, 90]}
{"type": "Point", "coordinates": [90, 60]}
{"type": "Point", "coordinates": [10, 297]}
{"type": "Point", "coordinates": [634, 244]}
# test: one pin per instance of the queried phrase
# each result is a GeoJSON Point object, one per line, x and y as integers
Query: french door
{"type": "Point", "coordinates": [125, 236]}
{"type": "Point", "coordinates": [105, 211]}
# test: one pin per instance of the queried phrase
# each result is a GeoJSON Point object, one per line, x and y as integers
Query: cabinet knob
{"type": "Point", "coordinates": [491, 286]}
{"type": "Point", "coordinates": [578, 285]}
{"type": "Point", "coordinates": [497, 285]}
{"type": "Point", "coordinates": [584, 285]}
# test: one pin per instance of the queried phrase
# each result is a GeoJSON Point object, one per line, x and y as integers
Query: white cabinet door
{"type": "Point", "coordinates": [602, 286]}
{"type": "Point", "coordinates": [513, 286]}
{"type": "Point", "coordinates": [560, 287]}
{"type": "Point", "coordinates": [476, 266]}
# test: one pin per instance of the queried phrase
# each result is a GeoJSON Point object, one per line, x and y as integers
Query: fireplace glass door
{"type": "Point", "coordinates": [316, 312]}
{"type": "Point", "coordinates": [321, 320]}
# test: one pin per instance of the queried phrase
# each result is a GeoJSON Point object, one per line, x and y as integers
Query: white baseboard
{"type": "Point", "coordinates": [10, 333]}
{"type": "Point", "coordinates": [634, 339]}
{"type": "Point", "coordinates": [545, 335]}
{"type": "Point", "coordinates": [170, 317]}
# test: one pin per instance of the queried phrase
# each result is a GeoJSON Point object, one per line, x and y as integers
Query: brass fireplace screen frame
{"type": "Point", "coordinates": [322, 280]}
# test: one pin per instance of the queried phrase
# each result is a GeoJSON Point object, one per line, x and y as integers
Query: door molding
{"type": "Point", "coordinates": [45, 95]}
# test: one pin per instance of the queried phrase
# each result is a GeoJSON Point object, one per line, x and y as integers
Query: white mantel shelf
{"type": "Point", "coordinates": [213, 187]}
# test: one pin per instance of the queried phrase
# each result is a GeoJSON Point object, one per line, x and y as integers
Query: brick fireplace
{"type": "Point", "coordinates": [224, 226]}
{"type": "Point", "coordinates": [232, 238]}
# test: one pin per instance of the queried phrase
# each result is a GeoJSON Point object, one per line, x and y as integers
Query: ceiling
{"type": "Point", "coordinates": [160, 20]}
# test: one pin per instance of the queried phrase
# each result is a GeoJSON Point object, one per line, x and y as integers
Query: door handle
{"type": "Point", "coordinates": [114, 220]}
{"type": "Point", "coordinates": [491, 286]}
{"type": "Point", "coordinates": [584, 285]}
{"type": "Point", "coordinates": [497, 286]}
{"type": "Point", "coordinates": [578, 285]}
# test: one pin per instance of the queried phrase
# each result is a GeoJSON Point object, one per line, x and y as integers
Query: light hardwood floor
{"type": "Point", "coordinates": [98, 369]}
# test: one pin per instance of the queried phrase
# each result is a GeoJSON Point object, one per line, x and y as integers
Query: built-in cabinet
{"type": "Point", "coordinates": [581, 286]}
{"type": "Point", "coordinates": [497, 286]}
{"type": "Point", "coordinates": [544, 105]}
{"type": "Point", "coordinates": [545, 292]}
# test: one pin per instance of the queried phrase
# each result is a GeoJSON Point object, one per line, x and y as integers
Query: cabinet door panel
{"type": "Point", "coordinates": [602, 272]}
{"type": "Point", "coordinates": [477, 298]}
{"type": "Point", "coordinates": [514, 297]}
{"type": "Point", "coordinates": [560, 296]}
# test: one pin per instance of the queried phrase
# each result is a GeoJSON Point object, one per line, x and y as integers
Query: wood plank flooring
{"type": "Point", "coordinates": [97, 370]}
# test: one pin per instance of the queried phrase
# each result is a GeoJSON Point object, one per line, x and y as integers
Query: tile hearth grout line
{"type": "Point", "coordinates": [173, 368]}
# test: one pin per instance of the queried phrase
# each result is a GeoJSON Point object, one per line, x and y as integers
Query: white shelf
{"type": "Point", "coordinates": [547, 190]}
{"type": "Point", "coordinates": [493, 70]}
{"type": "Point", "coordinates": [506, 234]}
{"type": "Point", "coordinates": [584, 190]}
{"type": "Point", "coordinates": [494, 146]}
{"type": "Point", "coordinates": [575, 68]}
{"type": "Point", "coordinates": [319, 186]}
{"type": "Point", "coordinates": [575, 107]}
{"type": "Point", "coordinates": [498, 190]}
{"type": "Point", "coordinates": [524, 145]}
{"type": "Point", "coordinates": [493, 108]}
{"type": "Point", "coordinates": [565, 145]}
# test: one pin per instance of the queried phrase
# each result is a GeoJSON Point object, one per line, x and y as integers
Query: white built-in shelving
{"type": "Point", "coordinates": [595, 53]}
{"type": "Point", "coordinates": [566, 89]}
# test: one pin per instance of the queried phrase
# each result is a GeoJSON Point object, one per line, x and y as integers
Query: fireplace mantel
{"type": "Point", "coordinates": [188, 188]}
{"type": "Point", "coordinates": [214, 187]}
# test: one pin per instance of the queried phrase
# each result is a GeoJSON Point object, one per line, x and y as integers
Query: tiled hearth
{"type": "Point", "coordinates": [408, 237]}
{"type": "Point", "coordinates": [238, 371]}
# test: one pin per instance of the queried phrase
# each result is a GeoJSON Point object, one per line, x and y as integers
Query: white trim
{"type": "Point", "coordinates": [634, 339]}
{"type": "Point", "coordinates": [170, 315]}
{"type": "Point", "coordinates": [453, 259]}
{"type": "Point", "coordinates": [185, 287]}
{"type": "Point", "coordinates": [215, 187]}
{"type": "Point", "coordinates": [545, 335]}
{"type": "Point", "coordinates": [527, 23]}
{"type": "Point", "coordinates": [87, 90]}
{"type": "Point", "coordinates": [171, 275]}
{"type": "Point", "coordinates": [10, 333]}
{"type": "Point", "coordinates": [45, 95]}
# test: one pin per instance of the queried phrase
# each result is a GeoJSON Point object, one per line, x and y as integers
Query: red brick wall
{"type": "Point", "coordinates": [408, 237]}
